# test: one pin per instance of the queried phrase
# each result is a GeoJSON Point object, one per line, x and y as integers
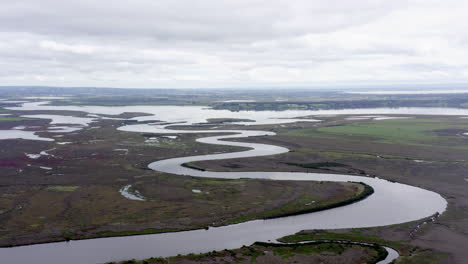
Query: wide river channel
{"type": "Point", "coordinates": [391, 203]}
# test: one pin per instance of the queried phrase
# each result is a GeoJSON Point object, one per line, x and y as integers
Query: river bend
{"type": "Point", "coordinates": [391, 203]}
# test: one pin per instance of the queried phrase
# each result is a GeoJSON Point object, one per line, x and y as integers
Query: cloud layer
{"type": "Point", "coordinates": [147, 43]}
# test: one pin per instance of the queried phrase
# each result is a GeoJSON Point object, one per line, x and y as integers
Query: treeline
{"type": "Point", "coordinates": [345, 104]}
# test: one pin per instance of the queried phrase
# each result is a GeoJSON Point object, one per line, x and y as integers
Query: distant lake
{"type": "Point", "coordinates": [409, 92]}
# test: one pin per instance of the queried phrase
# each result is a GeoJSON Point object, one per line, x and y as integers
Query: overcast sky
{"type": "Point", "coordinates": [239, 43]}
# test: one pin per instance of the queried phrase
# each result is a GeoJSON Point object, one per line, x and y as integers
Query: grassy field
{"type": "Point", "coordinates": [413, 131]}
{"type": "Point", "coordinates": [8, 119]}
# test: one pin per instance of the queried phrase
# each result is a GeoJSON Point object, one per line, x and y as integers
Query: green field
{"type": "Point", "coordinates": [7, 119]}
{"type": "Point", "coordinates": [413, 131]}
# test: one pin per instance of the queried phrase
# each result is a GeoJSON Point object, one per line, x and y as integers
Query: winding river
{"type": "Point", "coordinates": [391, 203]}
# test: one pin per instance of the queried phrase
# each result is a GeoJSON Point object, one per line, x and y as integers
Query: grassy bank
{"type": "Point", "coordinates": [259, 252]}
{"type": "Point", "coordinates": [192, 165]}
{"type": "Point", "coordinates": [354, 236]}
{"type": "Point", "coordinates": [409, 254]}
{"type": "Point", "coordinates": [303, 206]}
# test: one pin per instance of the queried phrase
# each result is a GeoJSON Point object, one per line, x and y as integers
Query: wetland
{"type": "Point", "coordinates": [88, 205]}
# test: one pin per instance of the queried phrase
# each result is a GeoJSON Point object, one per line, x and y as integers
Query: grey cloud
{"type": "Point", "coordinates": [223, 43]}
{"type": "Point", "coordinates": [200, 20]}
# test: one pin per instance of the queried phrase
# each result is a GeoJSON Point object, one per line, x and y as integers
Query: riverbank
{"type": "Point", "coordinates": [383, 236]}
{"type": "Point", "coordinates": [313, 252]}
